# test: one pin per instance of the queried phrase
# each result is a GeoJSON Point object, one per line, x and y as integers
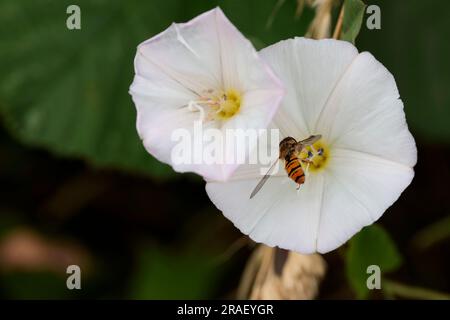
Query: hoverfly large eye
{"type": "Point", "coordinates": [320, 151]}
{"type": "Point", "coordinates": [310, 154]}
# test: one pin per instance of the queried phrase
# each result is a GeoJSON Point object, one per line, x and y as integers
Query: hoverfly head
{"type": "Point", "coordinates": [286, 146]}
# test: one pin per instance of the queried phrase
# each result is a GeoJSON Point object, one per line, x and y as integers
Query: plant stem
{"type": "Point", "coordinates": [432, 234]}
{"type": "Point", "coordinates": [393, 288]}
{"type": "Point", "coordinates": [338, 28]}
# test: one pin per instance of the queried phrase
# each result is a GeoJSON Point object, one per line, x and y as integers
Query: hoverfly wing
{"type": "Point", "coordinates": [311, 140]}
{"type": "Point", "coordinates": [263, 180]}
{"type": "Point", "coordinates": [307, 142]}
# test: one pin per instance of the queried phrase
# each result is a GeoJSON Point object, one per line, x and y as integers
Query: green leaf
{"type": "Point", "coordinates": [418, 58]}
{"type": "Point", "coordinates": [67, 90]}
{"type": "Point", "coordinates": [353, 17]}
{"type": "Point", "coordinates": [371, 246]}
{"type": "Point", "coordinates": [162, 274]}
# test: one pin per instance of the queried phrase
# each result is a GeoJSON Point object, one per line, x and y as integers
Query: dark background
{"type": "Point", "coordinates": [77, 187]}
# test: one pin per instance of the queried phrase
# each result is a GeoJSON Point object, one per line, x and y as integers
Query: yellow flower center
{"type": "Point", "coordinates": [229, 104]}
{"type": "Point", "coordinates": [217, 105]}
{"type": "Point", "coordinates": [315, 157]}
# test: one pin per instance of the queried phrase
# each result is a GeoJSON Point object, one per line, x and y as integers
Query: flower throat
{"type": "Point", "coordinates": [217, 105]}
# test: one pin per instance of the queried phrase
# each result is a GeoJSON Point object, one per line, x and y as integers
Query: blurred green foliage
{"type": "Point", "coordinates": [67, 90]}
{"type": "Point", "coordinates": [353, 18]}
{"type": "Point", "coordinates": [371, 246]}
{"type": "Point", "coordinates": [413, 44]}
{"type": "Point", "coordinates": [36, 285]}
{"type": "Point", "coordinates": [163, 274]}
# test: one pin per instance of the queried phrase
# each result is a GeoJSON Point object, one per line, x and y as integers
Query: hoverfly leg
{"type": "Point", "coordinates": [308, 162]}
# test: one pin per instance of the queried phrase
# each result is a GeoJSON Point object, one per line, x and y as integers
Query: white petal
{"type": "Point", "coordinates": [207, 52]}
{"type": "Point", "coordinates": [242, 66]}
{"type": "Point", "coordinates": [358, 189]}
{"type": "Point", "coordinates": [309, 69]}
{"type": "Point", "coordinates": [364, 113]}
{"type": "Point", "coordinates": [188, 53]}
{"type": "Point", "coordinates": [278, 215]}
{"type": "Point", "coordinates": [157, 99]}
{"type": "Point", "coordinates": [329, 208]}
{"type": "Point", "coordinates": [352, 100]}
{"type": "Point", "coordinates": [157, 119]}
{"type": "Point", "coordinates": [183, 62]}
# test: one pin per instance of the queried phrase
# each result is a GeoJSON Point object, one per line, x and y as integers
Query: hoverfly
{"type": "Point", "coordinates": [289, 152]}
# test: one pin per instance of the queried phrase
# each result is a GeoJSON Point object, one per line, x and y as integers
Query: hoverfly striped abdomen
{"type": "Point", "coordinates": [294, 168]}
{"type": "Point", "coordinates": [289, 151]}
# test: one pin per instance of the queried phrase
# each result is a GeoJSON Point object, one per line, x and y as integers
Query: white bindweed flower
{"type": "Point", "coordinates": [366, 151]}
{"type": "Point", "coordinates": [204, 71]}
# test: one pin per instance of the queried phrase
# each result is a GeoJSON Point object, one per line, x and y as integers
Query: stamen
{"type": "Point", "coordinates": [194, 106]}
{"type": "Point", "coordinates": [215, 105]}
{"type": "Point", "coordinates": [314, 156]}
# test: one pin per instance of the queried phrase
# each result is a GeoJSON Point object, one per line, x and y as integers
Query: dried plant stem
{"type": "Point", "coordinates": [320, 27]}
{"type": "Point", "coordinates": [275, 10]}
{"type": "Point", "coordinates": [248, 276]}
{"type": "Point", "coordinates": [338, 28]}
{"type": "Point", "coordinates": [264, 277]}
{"type": "Point", "coordinates": [237, 245]}
{"type": "Point", "coordinates": [299, 9]}
{"type": "Point", "coordinates": [261, 276]}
